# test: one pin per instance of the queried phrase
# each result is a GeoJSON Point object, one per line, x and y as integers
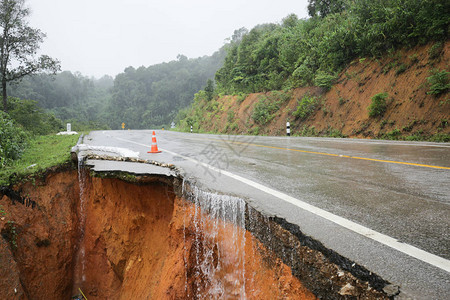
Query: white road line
{"type": "Point", "coordinates": [410, 250]}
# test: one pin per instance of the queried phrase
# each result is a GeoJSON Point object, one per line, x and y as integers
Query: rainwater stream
{"type": "Point", "coordinates": [219, 248]}
{"type": "Point", "coordinates": [80, 261]}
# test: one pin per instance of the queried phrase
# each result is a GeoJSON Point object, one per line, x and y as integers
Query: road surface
{"type": "Point", "coordinates": [382, 204]}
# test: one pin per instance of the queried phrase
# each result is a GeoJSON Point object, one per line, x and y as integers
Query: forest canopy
{"type": "Point", "coordinates": [149, 97]}
{"type": "Point", "coordinates": [141, 98]}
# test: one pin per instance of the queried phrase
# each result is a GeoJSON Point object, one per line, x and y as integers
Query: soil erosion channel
{"type": "Point", "coordinates": [120, 236]}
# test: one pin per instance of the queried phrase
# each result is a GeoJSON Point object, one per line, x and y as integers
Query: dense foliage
{"type": "Point", "coordinates": [33, 118]}
{"type": "Point", "coordinates": [149, 97]}
{"type": "Point", "coordinates": [70, 97]}
{"type": "Point", "coordinates": [141, 98]}
{"type": "Point", "coordinates": [12, 140]}
{"type": "Point", "coordinates": [24, 120]}
{"type": "Point", "coordinates": [439, 82]}
{"type": "Point", "coordinates": [306, 52]}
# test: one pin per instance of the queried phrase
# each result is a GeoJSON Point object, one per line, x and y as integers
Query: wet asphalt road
{"type": "Point", "coordinates": [398, 189]}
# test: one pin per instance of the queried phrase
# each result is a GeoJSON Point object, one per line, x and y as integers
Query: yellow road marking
{"type": "Point", "coordinates": [344, 156]}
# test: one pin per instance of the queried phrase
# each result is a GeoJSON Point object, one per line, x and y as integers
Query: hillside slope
{"type": "Point", "coordinates": [411, 113]}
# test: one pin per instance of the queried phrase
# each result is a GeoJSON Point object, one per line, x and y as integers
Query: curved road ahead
{"type": "Point", "coordinates": [385, 205]}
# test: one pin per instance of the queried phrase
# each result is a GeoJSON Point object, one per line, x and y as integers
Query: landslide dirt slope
{"type": "Point", "coordinates": [140, 241]}
{"type": "Point", "coordinates": [411, 112]}
{"type": "Point", "coordinates": [112, 239]}
{"type": "Point", "coordinates": [38, 238]}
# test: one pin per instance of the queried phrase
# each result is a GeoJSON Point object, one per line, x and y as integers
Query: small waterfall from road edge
{"type": "Point", "coordinates": [217, 255]}
{"type": "Point", "coordinates": [80, 261]}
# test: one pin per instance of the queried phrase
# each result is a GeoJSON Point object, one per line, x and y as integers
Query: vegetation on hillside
{"type": "Point", "coordinates": [151, 97]}
{"type": "Point", "coordinates": [311, 52]}
{"type": "Point", "coordinates": [24, 122]}
{"type": "Point", "coordinates": [13, 140]}
{"type": "Point", "coordinates": [71, 97]}
{"type": "Point", "coordinates": [318, 52]}
{"type": "Point", "coordinates": [291, 54]}
{"type": "Point", "coordinates": [141, 98]}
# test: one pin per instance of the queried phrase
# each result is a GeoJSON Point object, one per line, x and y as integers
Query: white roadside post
{"type": "Point", "coordinates": [191, 128]}
{"type": "Point", "coordinates": [69, 127]}
{"type": "Point", "coordinates": [288, 129]}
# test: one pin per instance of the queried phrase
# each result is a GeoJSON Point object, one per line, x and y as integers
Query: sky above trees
{"type": "Point", "coordinates": [106, 36]}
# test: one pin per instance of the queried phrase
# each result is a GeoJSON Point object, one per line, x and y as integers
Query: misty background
{"type": "Point", "coordinates": [139, 62]}
{"type": "Point", "coordinates": [103, 37]}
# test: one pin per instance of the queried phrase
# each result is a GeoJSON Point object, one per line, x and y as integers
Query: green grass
{"type": "Point", "coordinates": [44, 151]}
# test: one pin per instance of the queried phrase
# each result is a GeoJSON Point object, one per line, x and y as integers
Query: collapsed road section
{"type": "Point", "coordinates": [106, 234]}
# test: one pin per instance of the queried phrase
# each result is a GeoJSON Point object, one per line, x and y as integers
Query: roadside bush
{"type": "Point", "coordinates": [308, 131]}
{"type": "Point", "coordinates": [435, 50]}
{"type": "Point", "coordinates": [33, 118]}
{"type": "Point", "coordinates": [306, 106]}
{"type": "Point", "coordinates": [255, 130]}
{"type": "Point", "coordinates": [324, 80]}
{"type": "Point", "coordinates": [12, 141]}
{"type": "Point", "coordinates": [439, 82]}
{"type": "Point", "coordinates": [378, 106]}
{"type": "Point", "coordinates": [394, 134]}
{"type": "Point", "coordinates": [264, 110]}
{"type": "Point", "coordinates": [440, 137]}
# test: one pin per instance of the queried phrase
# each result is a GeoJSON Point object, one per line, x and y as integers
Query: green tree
{"type": "Point", "coordinates": [19, 43]}
{"type": "Point", "coordinates": [209, 89]}
{"type": "Point", "coordinates": [12, 141]}
{"type": "Point", "coordinates": [71, 97]}
{"type": "Point", "coordinates": [323, 8]}
{"type": "Point", "coordinates": [32, 117]}
{"type": "Point", "coordinates": [152, 96]}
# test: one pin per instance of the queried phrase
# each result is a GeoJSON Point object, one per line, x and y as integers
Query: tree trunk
{"type": "Point", "coordinates": [5, 96]}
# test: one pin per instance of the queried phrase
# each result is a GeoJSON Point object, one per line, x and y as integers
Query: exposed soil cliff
{"type": "Point", "coordinates": [119, 240]}
{"type": "Point", "coordinates": [411, 112]}
{"type": "Point", "coordinates": [39, 235]}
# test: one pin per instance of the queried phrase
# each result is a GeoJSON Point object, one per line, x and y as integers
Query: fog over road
{"type": "Point", "coordinates": [382, 204]}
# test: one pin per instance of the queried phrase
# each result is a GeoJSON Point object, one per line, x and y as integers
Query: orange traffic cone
{"type": "Point", "coordinates": [154, 148]}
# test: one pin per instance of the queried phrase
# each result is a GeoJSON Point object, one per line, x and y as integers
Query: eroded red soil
{"type": "Point", "coordinates": [140, 241]}
{"type": "Point", "coordinates": [411, 110]}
